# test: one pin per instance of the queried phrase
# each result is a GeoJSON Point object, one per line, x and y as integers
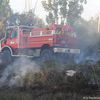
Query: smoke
{"type": "Point", "coordinates": [88, 41]}
{"type": "Point", "coordinates": [14, 74]}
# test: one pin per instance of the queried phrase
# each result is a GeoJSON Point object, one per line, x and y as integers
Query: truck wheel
{"type": "Point", "coordinates": [7, 58]}
{"type": "Point", "coordinates": [47, 54]}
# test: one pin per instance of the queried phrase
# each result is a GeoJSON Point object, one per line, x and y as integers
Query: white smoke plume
{"type": "Point", "coordinates": [13, 74]}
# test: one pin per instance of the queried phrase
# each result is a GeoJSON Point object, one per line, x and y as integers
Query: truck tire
{"type": "Point", "coordinates": [47, 54]}
{"type": "Point", "coordinates": [6, 57]}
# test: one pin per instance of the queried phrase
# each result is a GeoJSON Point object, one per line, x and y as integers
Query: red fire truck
{"type": "Point", "coordinates": [44, 42]}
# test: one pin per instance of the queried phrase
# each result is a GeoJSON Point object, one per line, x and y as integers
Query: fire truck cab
{"type": "Point", "coordinates": [44, 42]}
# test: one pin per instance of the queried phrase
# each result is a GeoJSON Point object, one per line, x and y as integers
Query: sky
{"type": "Point", "coordinates": [91, 9]}
{"type": "Point", "coordinates": [19, 6]}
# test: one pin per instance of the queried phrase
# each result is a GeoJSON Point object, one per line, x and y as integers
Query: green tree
{"type": "Point", "coordinates": [5, 12]}
{"type": "Point", "coordinates": [26, 19]}
{"type": "Point", "coordinates": [75, 10]}
{"type": "Point", "coordinates": [68, 10]}
{"type": "Point", "coordinates": [51, 6]}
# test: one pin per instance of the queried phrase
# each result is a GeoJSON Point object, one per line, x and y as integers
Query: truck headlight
{"type": "Point", "coordinates": [12, 42]}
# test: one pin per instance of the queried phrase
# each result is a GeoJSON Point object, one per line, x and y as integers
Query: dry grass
{"type": "Point", "coordinates": [51, 83]}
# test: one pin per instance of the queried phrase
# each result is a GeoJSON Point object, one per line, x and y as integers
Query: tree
{"type": "Point", "coordinates": [52, 8]}
{"type": "Point", "coordinates": [67, 10]}
{"type": "Point", "coordinates": [5, 12]}
{"type": "Point", "coordinates": [26, 19]}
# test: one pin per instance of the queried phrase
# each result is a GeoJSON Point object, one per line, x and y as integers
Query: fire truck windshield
{"type": "Point", "coordinates": [14, 34]}
{"type": "Point", "coordinates": [8, 33]}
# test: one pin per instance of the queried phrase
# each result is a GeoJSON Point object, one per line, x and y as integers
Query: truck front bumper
{"type": "Point", "coordinates": [66, 50]}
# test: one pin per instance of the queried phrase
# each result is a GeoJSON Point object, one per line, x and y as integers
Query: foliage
{"type": "Point", "coordinates": [69, 10]}
{"type": "Point", "coordinates": [5, 13]}
{"type": "Point", "coordinates": [26, 19]}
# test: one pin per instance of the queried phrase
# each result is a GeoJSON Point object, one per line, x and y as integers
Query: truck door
{"type": "Point", "coordinates": [11, 38]}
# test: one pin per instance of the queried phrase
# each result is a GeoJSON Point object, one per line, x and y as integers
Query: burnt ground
{"type": "Point", "coordinates": [56, 86]}
{"type": "Point", "coordinates": [43, 94]}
